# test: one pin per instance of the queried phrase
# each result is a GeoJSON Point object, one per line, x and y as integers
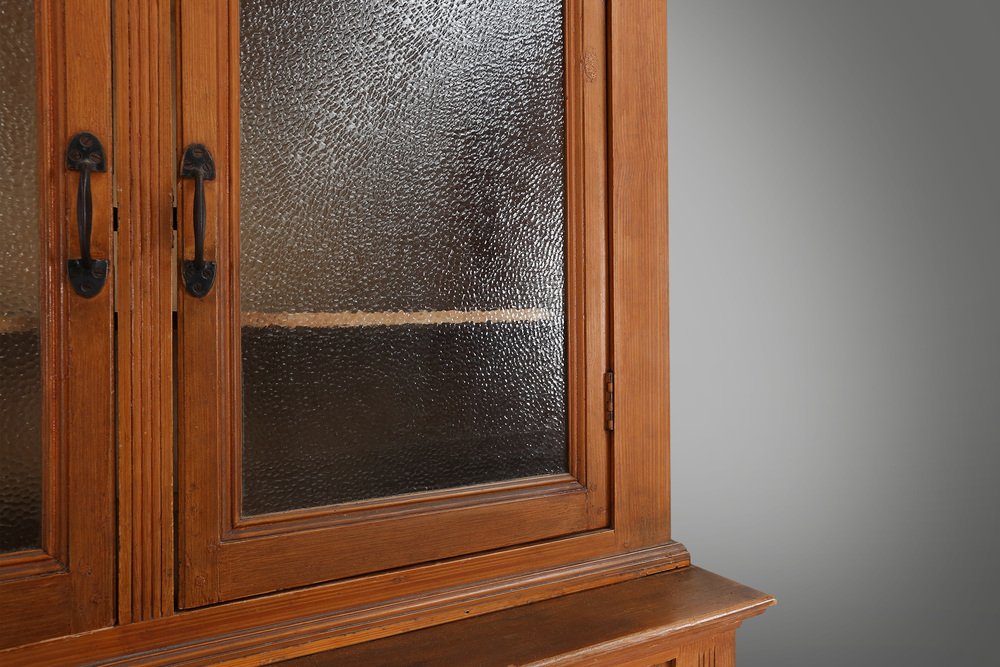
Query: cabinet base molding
{"type": "Point", "coordinates": [683, 618]}
{"type": "Point", "coordinates": [286, 625]}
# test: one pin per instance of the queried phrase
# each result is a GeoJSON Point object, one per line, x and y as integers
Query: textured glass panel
{"type": "Point", "coordinates": [20, 376]}
{"type": "Point", "coordinates": [352, 413]}
{"type": "Point", "coordinates": [400, 158]}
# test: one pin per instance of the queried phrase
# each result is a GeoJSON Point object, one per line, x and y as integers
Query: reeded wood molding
{"type": "Point", "coordinates": [719, 651]}
{"type": "Point", "coordinates": [145, 358]}
{"type": "Point", "coordinates": [286, 625]}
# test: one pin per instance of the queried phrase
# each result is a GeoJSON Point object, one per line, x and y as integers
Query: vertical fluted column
{"type": "Point", "coordinates": [145, 159]}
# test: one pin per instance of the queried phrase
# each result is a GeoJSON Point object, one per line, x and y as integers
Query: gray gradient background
{"type": "Point", "coordinates": [835, 248]}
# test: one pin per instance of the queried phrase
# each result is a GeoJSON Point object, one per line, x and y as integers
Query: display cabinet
{"type": "Point", "coordinates": [340, 329]}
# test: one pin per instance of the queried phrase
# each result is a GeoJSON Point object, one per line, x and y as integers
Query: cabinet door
{"type": "Point", "coordinates": [393, 346]}
{"type": "Point", "coordinates": [56, 405]}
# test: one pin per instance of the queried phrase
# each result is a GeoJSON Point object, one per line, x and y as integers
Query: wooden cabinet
{"type": "Point", "coordinates": [380, 342]}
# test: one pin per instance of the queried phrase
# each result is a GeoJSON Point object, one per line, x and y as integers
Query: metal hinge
{"type": "Point", "coordinates": [114, 262]}
{"type": "Point", "coordinates": [173, 268]}
{"type": "Point", "coordinates": [609, 400]}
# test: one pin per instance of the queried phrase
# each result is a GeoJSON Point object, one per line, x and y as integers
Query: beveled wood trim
{"type": "Point", "coordinates": [210, 539]}
{"type": "Point", "coordinates": [252, 632]}
{"type": "Point", "coordinates": [587, 191]}
{"type": "Point", "coordinates": [229, 244]}
{"type": "Point", "coordinates": [412, 503]}
{"type": "Point", "coordinates": [54, 220]}
{"type": "Point", "coordinates": [70, 586]}
{"type": "Point", "coordinates": [145, 322]}
{"type": "Point", "coordinates": [28, 563]}
{"type": "Point", "coordinates": [292, 559]}
{"type": "Point", "coordinates": [639, 212]}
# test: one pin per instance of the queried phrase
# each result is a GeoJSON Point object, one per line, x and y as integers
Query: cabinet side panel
{"type": "Point", "coordinates": [638, 59]}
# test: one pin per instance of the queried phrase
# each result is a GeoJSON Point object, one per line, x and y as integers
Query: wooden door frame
{"type": "Point", "coordinates": [226, 557]}
{"type": "Point", "coordinates": [67, 586]}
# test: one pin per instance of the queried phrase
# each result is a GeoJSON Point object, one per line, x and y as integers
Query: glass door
{"type": "Point", "coordinates": [57, 541]}
{"type": "Point", "coordinates": [391, 315]}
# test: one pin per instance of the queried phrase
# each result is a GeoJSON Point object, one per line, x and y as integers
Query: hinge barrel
{"type": "Point", "coordinates": [609, 400]}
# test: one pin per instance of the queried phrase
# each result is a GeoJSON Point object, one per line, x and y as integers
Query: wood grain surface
{"type": "Point", "coordinates": [145, 178]}
{"type": "Point", "coordinates": [570, 569]}
{"type": "Point", "coordinates": [646, 621]}
{"type": "Point", "coordinates": [221, 561]}
{"type": "Point", "coordinates": [67, 586]}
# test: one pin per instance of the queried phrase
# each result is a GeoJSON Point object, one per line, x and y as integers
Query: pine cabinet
{"type": "Point", "coordinates": [322, 322]}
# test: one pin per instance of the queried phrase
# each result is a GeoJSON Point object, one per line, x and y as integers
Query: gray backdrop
{"type": "Point", "coordinates": [835, 248]}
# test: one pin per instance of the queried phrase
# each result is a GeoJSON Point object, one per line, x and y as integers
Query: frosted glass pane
{"type": "Point", "coordinates": [402, 246]}
{"type": "Point", "coordinates": [20, 376]}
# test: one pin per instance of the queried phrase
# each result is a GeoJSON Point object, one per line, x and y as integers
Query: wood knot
{"type": "Point", "coordinates": [590, 66]}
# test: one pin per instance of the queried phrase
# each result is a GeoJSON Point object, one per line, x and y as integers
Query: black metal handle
{"type": "Point", "coordinates": [85, 155]}
{"type": "Point", "coordinates": [199, 275]}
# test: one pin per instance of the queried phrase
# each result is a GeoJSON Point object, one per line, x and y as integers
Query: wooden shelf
{"type": "Point", "coordinates": [687, 615]}
{"type": "Point", "coordinates": [392, 318]}
{"type": "Point", "coordinates": [25, 323]}
{"type": "Point", "coordinates": [18, 323]}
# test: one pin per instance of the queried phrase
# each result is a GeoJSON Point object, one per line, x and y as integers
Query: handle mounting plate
{"type": "Point", "coordinates": [197, 161]}
{"type": "Point", "coordinates": [87, 281]}
{"type": "Point", "coordinates": [198, 280]}
{"type": "Point", "coordinates": [86, 152]}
